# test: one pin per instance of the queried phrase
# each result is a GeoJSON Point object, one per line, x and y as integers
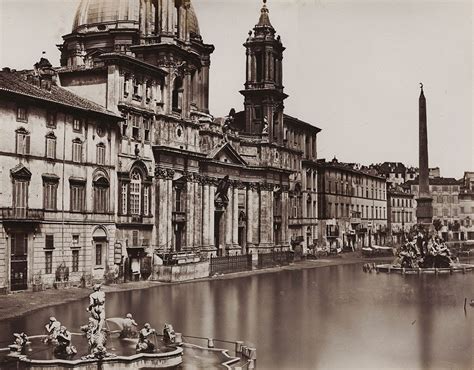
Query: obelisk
{"type": "Point", "coordinates": [424, 208]}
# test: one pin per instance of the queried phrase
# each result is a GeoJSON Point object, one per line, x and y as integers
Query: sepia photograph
{"type": "Point", "coordinates": [236, 184]}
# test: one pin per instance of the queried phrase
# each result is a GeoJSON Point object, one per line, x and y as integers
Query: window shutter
{"type": "Point", "coordinates": [27, 148]}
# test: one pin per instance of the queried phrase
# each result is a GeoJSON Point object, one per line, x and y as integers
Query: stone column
{"type": "Point", "coordinates": [255, 221]}
{"type": "Point", "coordinates": [250, 212]}
{"type": "Point", "coordinates": [266, 216]}
{"type": "Point", "coordinates": [161, 217]}
{"type": "Point", "coordinates": [197, 214]}
{"type": "Point", "coordinates": [169, 201]}
{"type": "Point", "coordinates": [284, 218]}
{"type": "Point", "coordinates": [186, 94]}
{"type": "Point", "coordinates": [205, 86]}
{"type": "Point", "coordinates": [142, 17]}
{"type": "Point", "coordinates": [205, 215]}
{"type": "Point", "coordinates": [190, 231]}
{"type": "Point", "coordinates": [249, 66]}
{"type": "Point", "coordinates": [235, 218]}
{"type": "Point", "coordinates": [228, 221]}
{"type": "Point", "coordinates": [212, 190]}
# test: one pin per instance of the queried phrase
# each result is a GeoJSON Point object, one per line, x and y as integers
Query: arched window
{"type": "Point", "coordinates": [135, 193]}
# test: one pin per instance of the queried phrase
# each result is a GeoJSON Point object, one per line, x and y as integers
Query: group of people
{"type": "Point", "coordinates": [424, 251]}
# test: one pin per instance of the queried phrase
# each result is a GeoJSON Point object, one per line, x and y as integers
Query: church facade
{"type": "Point", "coordinates": [184, 180]}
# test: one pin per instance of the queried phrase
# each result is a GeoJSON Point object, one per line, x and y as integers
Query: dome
{"type": "Point", "coordinates": [93, 12]}
{"type": "Point", "coordinates": [122, 13]}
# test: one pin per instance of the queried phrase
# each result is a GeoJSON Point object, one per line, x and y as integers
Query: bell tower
{"type": "Point", "coordinates": [263, 93]}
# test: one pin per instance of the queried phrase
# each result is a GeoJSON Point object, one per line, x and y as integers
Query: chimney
{"type": "Point", "coordinates": [44, 70]}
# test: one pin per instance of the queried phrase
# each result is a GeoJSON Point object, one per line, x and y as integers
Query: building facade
{"type": "Point", "coordinates": [176, 178]}
{"type": "Point", "coordinates": [445, 193]}
{"type": "Point", "coordinates": [352, 205]}
{"type": "Point", "coordinates": [466, 206]}
{"type": "Point", "coordinates": [57, 178]}
{"type": "Point", "coordinates": [401, 214]}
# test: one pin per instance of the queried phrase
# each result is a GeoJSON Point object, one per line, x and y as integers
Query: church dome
{"type": "Point", "coordinates": [98, 15]}
{"type": "Point", "coordinates": [96, 12]}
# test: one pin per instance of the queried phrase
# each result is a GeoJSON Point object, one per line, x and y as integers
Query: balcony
{"type": "Point", "coordinates": [178, 217]}
{"type": "Point", "coordinates": [22, 214]}
{"type": "Point", "coordinates": [135, 220]}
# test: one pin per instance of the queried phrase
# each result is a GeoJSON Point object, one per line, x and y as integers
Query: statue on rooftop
{"type": "Point", "coordinates": [228, 122]}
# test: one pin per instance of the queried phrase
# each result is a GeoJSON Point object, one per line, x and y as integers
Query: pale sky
{"type": "Point", "coordinates": [351, 67]}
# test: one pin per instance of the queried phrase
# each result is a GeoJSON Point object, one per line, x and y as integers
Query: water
{"type": "Point", "coordinates": [325, 318]}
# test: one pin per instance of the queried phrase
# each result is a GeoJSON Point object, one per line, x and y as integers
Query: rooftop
{"type": "Point", "coordinates": [18, 83]}
{"type": "Point", "coordinates": [437, 181]}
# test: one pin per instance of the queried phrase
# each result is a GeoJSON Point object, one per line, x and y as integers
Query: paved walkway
{"type": "Point", "coordinates": [17, 304]}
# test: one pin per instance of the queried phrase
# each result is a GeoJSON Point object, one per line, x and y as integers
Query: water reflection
{"type": "Point", "coordinates": [335, 317]}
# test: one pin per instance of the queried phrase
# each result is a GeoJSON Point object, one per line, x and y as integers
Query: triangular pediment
{"type": "Point", "coordinates": [20, 172]}
{"type": "Point", "coordinates": [227, 154]}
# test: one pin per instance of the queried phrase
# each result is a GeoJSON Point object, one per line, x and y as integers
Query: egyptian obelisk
{"type": "Point", "coordinates": [424, 208]}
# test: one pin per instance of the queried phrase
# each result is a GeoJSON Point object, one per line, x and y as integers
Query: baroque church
{"type": "Point", "coordinates": [164, 175]}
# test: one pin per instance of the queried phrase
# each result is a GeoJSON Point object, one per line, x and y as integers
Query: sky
{"type": "Point", "coordinates": [351, 68]}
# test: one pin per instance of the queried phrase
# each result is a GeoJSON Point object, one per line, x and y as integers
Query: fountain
{"type": "Point", "coordinates": [425, 252]}
{"type": "Point", "coordinates": [97, 346]}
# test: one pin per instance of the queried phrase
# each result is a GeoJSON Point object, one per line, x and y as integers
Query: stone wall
{"type": "Point", "coordinates": [183, 272]}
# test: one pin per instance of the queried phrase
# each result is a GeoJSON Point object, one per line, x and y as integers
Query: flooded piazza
{"type": "Point", "coordinates": [331, 317]}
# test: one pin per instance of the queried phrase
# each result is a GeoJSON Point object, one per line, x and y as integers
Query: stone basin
{"type": "Point", "coordinates": [457, 268]}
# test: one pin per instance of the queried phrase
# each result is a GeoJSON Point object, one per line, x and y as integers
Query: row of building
{"type": "Point", "coordinates": [113, 158]}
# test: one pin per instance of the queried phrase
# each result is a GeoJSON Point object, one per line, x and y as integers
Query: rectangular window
{"type": "Point", "coordinates": [75, 240]}
{"type": "Point", "coordinates": [22, 114]}
{"type": "Point", "coordinates": [23, 143]}
{"type": "Point", "coordinates": [48, 259]}
{"type": "Point", "coordinates": [98, 254]}
{"type": "Point", "coordinates": [136, 127]}
{"type": "Point", "coordinates": [125, 85]}
{"type": "Point", "coordinates": [50, 195]}
{"type": "Point", "coordinates": [77, 151]}
{"type": "Point", "coordinates": [124, 129]}
{"type": "Point", "coordinates": [77, 125]}
{"type": "Point", "coordinates": [49, 241]}
{"type": "Point", "coordinates": [146, 129]}
{"type": "Point", "coordinates": [101, 199]}
{"type": "Point", "coordinates": [51, 147]}
{"type": "Point", "coordinates": [77, 198]}
{"type": "Point", "coordinates": [20, 198]}
{"type": "Point", "coordinates": [100, 154]}
{"type": "Point", "coordinates": [135, 198]}
{"type": "Point", "coordinates": [75, 260]}
{"type": "Point", "coordinates": [124, 204]}
{"type": "Point", "coordinates": [135, 238]}
{"type": "Point", "coordinates": [51, 119]}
